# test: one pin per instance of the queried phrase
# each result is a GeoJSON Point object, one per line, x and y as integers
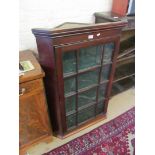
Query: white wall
{"type": "Point", "coordinates": [50, 13]}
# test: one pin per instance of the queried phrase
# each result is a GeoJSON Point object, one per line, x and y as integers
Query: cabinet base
{"type": "Point", "coordinates": [83, 126]}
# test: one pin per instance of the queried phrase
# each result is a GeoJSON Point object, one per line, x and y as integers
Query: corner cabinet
{"type": "Point", "coordinates": [79, 63]}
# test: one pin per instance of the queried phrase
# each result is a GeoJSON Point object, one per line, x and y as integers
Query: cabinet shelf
{"type": "Point", "coordinates": [67, 75]}
{"type": "Point", "coordinates": [125, 61]}
{"type": "Point", "coordinates": [86, 89]}
{"type": "Point", "coordinates": [124, 77]}
{"type": "Point", "coordinates": [128, 59]}
{"type": "Point", "coordinates": [126, 53]}
{"type": "Point", "coordinates": [124, 69]}
{"type": "Point", "coordinates": [127, 44]}
{"type": "Point", "coordinates": [122, 85]}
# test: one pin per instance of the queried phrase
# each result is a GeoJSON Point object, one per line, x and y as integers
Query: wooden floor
{"type": "Point", "coordinates": [117, 105]}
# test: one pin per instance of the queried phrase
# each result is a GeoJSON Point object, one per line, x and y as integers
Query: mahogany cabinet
{"type": "Point", "coordinates": [33, 114]}
{"type": "Point", "coordinates": [79, 63]}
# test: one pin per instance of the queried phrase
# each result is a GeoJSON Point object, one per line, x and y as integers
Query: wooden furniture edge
{"type": "Point", "coordinates": [91, 27]}
{"type": "Point", "coordinates": [83, 126]}
{"type": "Point", "coordinates": [39, 72]}
{"type": "Point", "coordinates": [25, 148]}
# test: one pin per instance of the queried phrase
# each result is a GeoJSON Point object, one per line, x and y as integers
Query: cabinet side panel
{"type": "Point", "coordinates": [117, 44]}
{"type": "Point", "coordinates": [47, 61]}
{"type": "Point", "coordinates": [33, 123]}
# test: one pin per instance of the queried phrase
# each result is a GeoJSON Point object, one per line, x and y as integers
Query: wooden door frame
{"type": "Point", "coordinates": [59, 72]}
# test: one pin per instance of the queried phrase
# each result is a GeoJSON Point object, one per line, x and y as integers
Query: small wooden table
{"type": "Point", "coordinates": [34, 123]}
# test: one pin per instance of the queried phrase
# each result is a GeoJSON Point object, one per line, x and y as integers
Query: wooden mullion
{"type": "Point", "coordinates": [68, 75]}
{"type": "Point", "coordinates": [99, 79]}
{"type": "Point", "coordinates": [87, 88]}
{"type": "Point", "coordinates": [90, 104]}
{"type": "Point", "coordinates": [70, 94]}
{"type": "Point", "coordinates": [70, 113]}
{"type": "Point", "coordinates": [89, 69]}
{"type": "Point", "coordinates": [77, 63]}
{"type": "Point", "coordinates": [82, 90]}
{"type": "Point", "coordinates": [82, 71]}
{"type": "Point", "coordinates": [106, 64]}
{"type": "Point", "coordinates": [104, 82]}
{"type": "Point", "coordinates": [81, 108]}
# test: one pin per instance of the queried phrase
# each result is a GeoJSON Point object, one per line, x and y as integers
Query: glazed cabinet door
{"type": "Point", "coordinates": [33, 118]}
{"type": "Point", "coordinates": [84, 79]}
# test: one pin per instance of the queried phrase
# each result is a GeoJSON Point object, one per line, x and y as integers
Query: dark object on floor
{"type": "Point", "coordinates": [115, 137]}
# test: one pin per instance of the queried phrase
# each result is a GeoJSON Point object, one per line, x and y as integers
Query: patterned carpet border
{"type": "Point", "coordinates": [111, 138]}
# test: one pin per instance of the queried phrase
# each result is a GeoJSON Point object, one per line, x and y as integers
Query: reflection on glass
{"type": "Point", "coordinates": [108, 52]}
{"type": "Point", "coordinates": [71, 120]}
{"type": "Point", "coordinates": [69, 62]}
{"type": "Point", "coordinates": [88, 79]}
{"type": "Point", "coordinates": [87, 97]}
{"type": "Point", "coordinates": [105, 72]}
{"type": "Point", "coordinates": [69, 85]}
{"type": "Point", "coordinates": [86, 114]}
{"type": "Point", "coordinates": [70, 103]}
{"type": "Point", "coordinates": [89, 57]}
{"type": "Point", "coordinates": [100, 108]}
{"type": "Point", "coordinates": [102, 91]}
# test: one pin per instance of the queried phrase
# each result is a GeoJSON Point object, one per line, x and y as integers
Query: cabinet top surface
{"type": "Point", "coordinates": [69, 27]}
{"type": "Point", "coordinates": [36, 73]}
{"type": "Point", "coordinates": [113, 16]}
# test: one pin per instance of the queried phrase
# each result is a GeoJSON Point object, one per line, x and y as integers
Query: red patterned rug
{"type": "Point", "coordinates": [116, 137]}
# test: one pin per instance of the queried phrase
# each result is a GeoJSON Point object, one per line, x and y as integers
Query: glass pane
{"type": "Point", "coordinates": [87, 97]}
{"type": "Point", "coordinates": [102, 91]}
{"type": "Point", "coordinates": [89, 57]}
{"type": "Point", "coordinates": [71, 120]}
{"type": "Point", "coordinates": [70, 85]}
{"type": "Point", "coordinates": [105, 72]}
{"type": "Point", "coordinates": [108, 52]}
{"type": "Point", "coordinates": [100, 108]}
{"type": "Point", "coordinates": [88, 79]}
{"type": "Point", "coordinates": [70, 103]}
{"type": "Point", "coordinates": [69, 62]}
{"type": "Point", "coordinates": [86, 114]}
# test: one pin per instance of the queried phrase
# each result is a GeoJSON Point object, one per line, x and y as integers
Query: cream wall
{"type": "Point", "coordinates": [50, 13]}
